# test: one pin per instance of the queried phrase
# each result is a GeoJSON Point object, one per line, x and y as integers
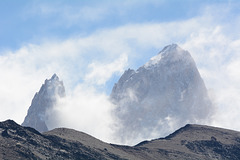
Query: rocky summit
{"type": "Point", "coordinates": [191, 142]}
{"type": "Point", "coordinates": [165, 93]}
{"type": "Point", "coordinates": [42, 102]}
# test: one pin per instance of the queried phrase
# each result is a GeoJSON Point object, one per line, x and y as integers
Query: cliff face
{"type": "Point", "coordinates": [44, 100]}
{"type": "Point", "coordinates": [164, 94]}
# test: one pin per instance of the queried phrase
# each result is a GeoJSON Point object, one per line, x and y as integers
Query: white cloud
{"type": "Point", "coordinates": [216, 51]}
{"type": "Point", "coordinates": [26, 69]}
{"type": "Point", "coordinates": [100, 73]}
{"type": "Point", "coordinates": [85, 109]}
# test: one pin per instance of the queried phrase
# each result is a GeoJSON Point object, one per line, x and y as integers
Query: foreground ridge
{"type": "Point", "coordinates": [189, 142]}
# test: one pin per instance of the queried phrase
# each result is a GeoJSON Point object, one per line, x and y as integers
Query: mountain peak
{"type": "Point", "coordinates": [173, 50]}
{"type": "Point", "coordinates": [54, 77]}
{"type": "Point", "coordinates": [165, 93]}
{"type": "Point", "coordinates": [169, 54]}
{"type": "Point", "coordinates": [170, 47]}
{"type": "Point", "coordinates": [44, 100]}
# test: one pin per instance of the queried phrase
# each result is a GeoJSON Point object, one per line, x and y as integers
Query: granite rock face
{"type": "Point", "coordinates": [159, 97]}
{"type": "Point", "coordinates": [44, 100]}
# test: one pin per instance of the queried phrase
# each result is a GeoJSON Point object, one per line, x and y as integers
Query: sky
{"type": "Point", "coordinates": [89, 44]}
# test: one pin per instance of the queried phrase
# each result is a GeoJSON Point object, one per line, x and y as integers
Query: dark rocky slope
{"type": "Point", "coordinates": [189, 142]}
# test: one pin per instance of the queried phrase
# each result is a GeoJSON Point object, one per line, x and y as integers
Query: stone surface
{"type": "Point", "coordinates": [43, 101]}
{"type": "Point", "coordinates": [161, 96]}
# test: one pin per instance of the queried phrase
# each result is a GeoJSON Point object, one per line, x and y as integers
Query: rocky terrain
{"type": "Point", "coordinates": [190, 142]}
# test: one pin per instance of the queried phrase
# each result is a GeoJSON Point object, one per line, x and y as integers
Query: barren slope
{"type": "Point", "coordinates": [187, 143]}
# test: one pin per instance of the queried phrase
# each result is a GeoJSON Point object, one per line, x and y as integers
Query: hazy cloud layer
{"type": "Point", "coordinates": [86, 110]}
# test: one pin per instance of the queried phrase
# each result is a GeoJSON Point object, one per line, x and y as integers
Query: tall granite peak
{"type": "Point", "coordinates": [43, 101]}
{"type": "Point", "coordinates": [165, 93]}
{"type": "Point", "coordinates": [170, 54]}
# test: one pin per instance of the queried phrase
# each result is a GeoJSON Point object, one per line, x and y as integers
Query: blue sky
{"type": "Point", "coordinates": [32, 21]}
{"type": "Point", "coordinates": [89, 44]}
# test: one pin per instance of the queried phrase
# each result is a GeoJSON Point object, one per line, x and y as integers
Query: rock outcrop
{"type": "Point", "coordinates": [43, 101]}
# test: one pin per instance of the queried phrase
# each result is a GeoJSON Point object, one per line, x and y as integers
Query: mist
{"type": "Point", "coordinates": [84, 110]}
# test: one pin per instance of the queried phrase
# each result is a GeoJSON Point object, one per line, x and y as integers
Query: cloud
{"type": "Point", "coordinates": [86, 110]}
{"type": "Point", "coordinates": [216, 51]}
{"type": "Point", "coordinates": [100, 73]}
{"type": "Point", "coordinates": [26, 69]}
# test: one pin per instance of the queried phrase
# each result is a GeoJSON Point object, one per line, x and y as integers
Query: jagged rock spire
{"type": "Point", "coordinates": [44, 100]}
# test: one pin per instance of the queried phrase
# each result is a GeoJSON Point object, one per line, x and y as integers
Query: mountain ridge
{"type": "Point", "coordinates": [189, 143]}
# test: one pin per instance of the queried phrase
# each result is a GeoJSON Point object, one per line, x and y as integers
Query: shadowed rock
{"type": "Point", "coordinates": [188, 143]}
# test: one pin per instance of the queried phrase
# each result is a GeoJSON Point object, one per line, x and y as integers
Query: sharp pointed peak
{"type": "Point", "coordinates": [54, 76]}
{"type": "Point", "coordinates": [170, 53]}
{"type": "Point", "coordinates": [172, 46]}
